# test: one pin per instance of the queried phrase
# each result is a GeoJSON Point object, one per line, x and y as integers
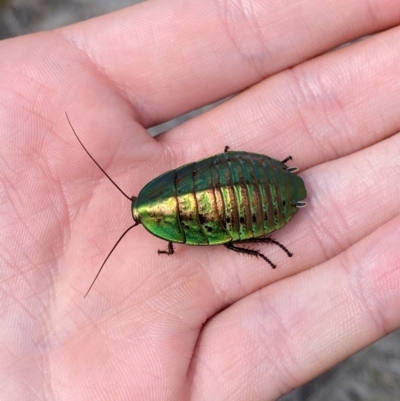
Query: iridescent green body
{"type": "Point", "coordinates": [226, 198]}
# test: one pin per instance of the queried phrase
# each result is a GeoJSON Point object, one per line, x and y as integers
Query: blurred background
{"type": "Point", "coordinates": [371, 375]}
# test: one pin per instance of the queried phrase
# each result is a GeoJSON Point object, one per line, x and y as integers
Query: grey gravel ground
{"type": "Point", "coordinates": [370, 375]}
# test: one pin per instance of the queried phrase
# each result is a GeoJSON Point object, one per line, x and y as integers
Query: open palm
{"type": "Point", "coordinates": [204, 323]}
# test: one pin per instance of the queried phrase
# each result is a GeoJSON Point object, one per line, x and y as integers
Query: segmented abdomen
{"type": "Point", "coordinates": [233, 196]}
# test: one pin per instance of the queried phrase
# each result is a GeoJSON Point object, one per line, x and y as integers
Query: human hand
{"type": "Point", "coordinates": [204, 323]}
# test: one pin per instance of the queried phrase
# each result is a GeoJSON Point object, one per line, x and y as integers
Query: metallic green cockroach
{"type": "Point", "coordinates": [227, 199]}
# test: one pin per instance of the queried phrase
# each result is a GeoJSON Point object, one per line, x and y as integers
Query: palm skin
{"type": "Point", "coordinates": [204, 323]}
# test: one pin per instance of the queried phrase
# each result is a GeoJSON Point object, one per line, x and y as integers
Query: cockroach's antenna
{"type": "Point", "coordinates": [97, 164]}
{"type": "Point", "coordinates": [105, 260]}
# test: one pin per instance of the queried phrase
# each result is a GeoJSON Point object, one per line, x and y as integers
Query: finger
{"type": "Point", "coordinates": [293, 330]}
{"type": "Point", "coordinates": [168, 58]}
{"type": "Point", "coordinates": [328, 107]}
